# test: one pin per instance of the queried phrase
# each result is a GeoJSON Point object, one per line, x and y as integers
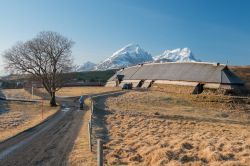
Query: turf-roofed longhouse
{"type": "Point", "coordinates": [191, 77]}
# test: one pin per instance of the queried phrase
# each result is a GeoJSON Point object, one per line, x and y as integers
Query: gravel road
{"type": "Point", "coordinates": [49, 143]}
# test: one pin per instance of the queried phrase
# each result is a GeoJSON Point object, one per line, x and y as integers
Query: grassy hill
{"type": "Point", "coordinates": [243, 72]}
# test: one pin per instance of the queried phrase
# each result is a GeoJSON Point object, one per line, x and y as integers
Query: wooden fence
{"type": "Point", "coordinates": [90, 134]}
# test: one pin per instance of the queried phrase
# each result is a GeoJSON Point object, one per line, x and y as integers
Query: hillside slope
{"type": "Point", "coordinates": [129, 55]}
{"type": "Point", "coordinates": [243, 72]}
{"type": "Point", "coordinates": [176, 55]}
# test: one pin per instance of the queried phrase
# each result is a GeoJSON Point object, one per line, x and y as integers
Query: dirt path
{"type": "Point", "coordinates": [47, 144]}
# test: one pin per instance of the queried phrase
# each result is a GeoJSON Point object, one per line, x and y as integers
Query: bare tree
{"type": "Point", "coordinates": [46, 57]}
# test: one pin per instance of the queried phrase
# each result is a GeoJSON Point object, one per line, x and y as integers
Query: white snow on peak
{"type": "Point", "coordinates": [88, 66]}
{"type": "Point", "coordinates": [133, 54]}
{"type": "Point", "coordinates": [129, 55]}
{"type": "Point", "coordinates": [176, 55]}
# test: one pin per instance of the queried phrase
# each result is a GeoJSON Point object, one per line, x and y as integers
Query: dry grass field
{"type": "Point", "coordinates": [77, 91]}
{"type": "Point", "coordinates": [244, 73]}
{"type": "Point", "coordinates": [148, 140]}
{"type": "Point", "coordinates": [17, 93]}
{"type": "Point", "coordinates": [201, 107]}
{"type": "Point", "coordinates": [63, 92]}
{"type": "Point", "coordinates": [155, 128]}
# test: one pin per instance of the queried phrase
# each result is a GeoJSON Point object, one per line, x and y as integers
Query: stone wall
{"type": "Point", "coordinates": [173, 88]}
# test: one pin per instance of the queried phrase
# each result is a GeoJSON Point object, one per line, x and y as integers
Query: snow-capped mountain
{"type": "Point", "coordinates": [176, 55]}
{"type": "Point", "coordinates": [133, 54]}
{"type": "Point", "coordinates": [129, 55]}
{"type": "Point", "coordinates": [88, 66]}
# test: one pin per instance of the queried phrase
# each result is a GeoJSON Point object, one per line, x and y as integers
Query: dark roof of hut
{"type": "Point", "coordinates": [188, 71]}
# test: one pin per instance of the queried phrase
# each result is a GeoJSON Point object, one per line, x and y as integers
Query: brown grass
{"type": "Point", "coordinates": [63, 92]}
{"type": "Point", "coordinates": [18, 93]}
{"type": "Point", "coordinates": [147, 140]}
{"type": "Point", "coordinates": [80, 154]}
{"type": "Point", "coordinates": [154, 128]}
{"type": "Point", "coordinates": [77, 91]}
{"type": "Point", "coordinates": [197, 106]}
{"type": "Point", "coordinates": [244, 73]}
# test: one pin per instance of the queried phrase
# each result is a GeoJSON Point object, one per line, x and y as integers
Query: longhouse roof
{"type": "Point", "coordinates": [189, 71]}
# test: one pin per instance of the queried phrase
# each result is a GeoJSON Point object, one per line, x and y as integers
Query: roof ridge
{"type": "Point", "coordinates": [208, 63]}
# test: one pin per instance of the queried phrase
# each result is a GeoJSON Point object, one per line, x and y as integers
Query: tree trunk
{"type": "Point", "coordinates": [53, 99]}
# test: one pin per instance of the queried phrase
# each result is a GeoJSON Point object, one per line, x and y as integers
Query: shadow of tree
{"type": "Point", "coordinates": [4, 106]}
{"type": "Point", "coordinates": [38, 92]}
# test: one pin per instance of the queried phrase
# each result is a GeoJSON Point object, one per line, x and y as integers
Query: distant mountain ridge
{"type": "Point", "coordinates": [176, 55]}
{"type": "Point", "coordinates": [133, 54]}
{"type": "Point", "coordinates": [88, 66]}
{"type": "Point", "coordinates": [129, 55]}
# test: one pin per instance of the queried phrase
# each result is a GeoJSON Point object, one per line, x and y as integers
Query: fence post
{"type": "Point", "coordinates": [92, 106]}
{"type": "Point", "coordinates": [91, 112]}
{"type": "Point", "coordinates": [99, 153]}
{"type": "Point", "coordinates": [32, 92]}
{"type": "Point", "coordinates": [90, 133]}
{"type": "Point", "coordinates": [42, 109]}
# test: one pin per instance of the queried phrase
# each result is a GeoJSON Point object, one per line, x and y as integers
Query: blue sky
{"type": "Point", "coordinates": [215, 30]}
